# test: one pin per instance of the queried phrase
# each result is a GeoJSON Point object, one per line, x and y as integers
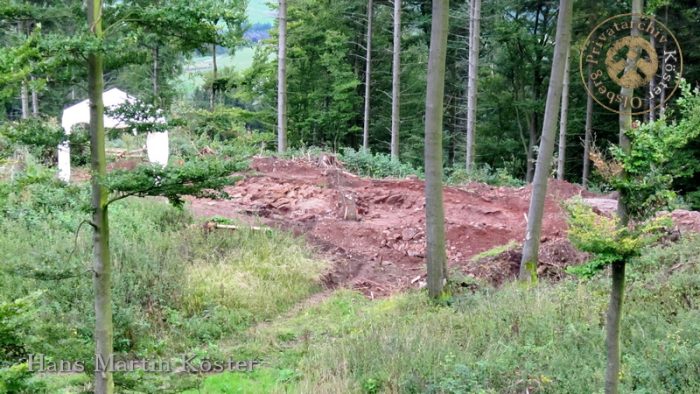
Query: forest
{"type": "Point", "coordinates": [356, 196]}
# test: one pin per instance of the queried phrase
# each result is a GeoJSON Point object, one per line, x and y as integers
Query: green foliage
{"type": "Point", "coordinates": [198, 178]}
{"type": "Point", "coordinates": [509, 340]}
{"type": "Point", "coordinates": [17, 380]}
{"type": "Point", "coordinates": [39, 136]}
{"type": "Point", "coordinates": [139, 117]}
{"type": "Point", "coordinates": [375, 165]}
{"type": "Point", "coordinates": [606, 238]}
{"type": "Point", "coordinates": [16, 318]}
{"type": "Point", "coordinates": [495, 251]}
{"type": "Point", "coordinates": [170, 295]}
{"type": "Point", "coordinates": [17, 336]}
{"type": "Point", "coordinates": [482, 174]}
{"type": "Point", "coordinates": [220, 124]}
{"type": "Point", "coordinates": [644, 177]}
{"type": "Point", "coordinates": [656, 158]}
{"type": "Point", "coordinates": [260, 381]}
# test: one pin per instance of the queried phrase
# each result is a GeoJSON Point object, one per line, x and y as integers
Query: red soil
{"type": "Point", "coordinates": [374, 230]}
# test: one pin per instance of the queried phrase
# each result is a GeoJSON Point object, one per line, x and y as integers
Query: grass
{"type": "Point", "coordinates": [495, 251]}
{"type": "Point", "coordinates": [175, 288]}
{"type": "Point", "coordinates": [232, 294]}
{"type": "Point", "coordinates": [511, 340]}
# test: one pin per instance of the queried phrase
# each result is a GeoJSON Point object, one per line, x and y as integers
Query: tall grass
{"type": "Point", "coordinates": [548, 339]}
{"type": "Point", "coordinates": [175, 288]}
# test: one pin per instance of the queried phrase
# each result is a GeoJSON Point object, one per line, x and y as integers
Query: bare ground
{"type": "Point", "coordinates": [373, 231]}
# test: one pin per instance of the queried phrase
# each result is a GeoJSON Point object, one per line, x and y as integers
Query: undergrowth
{"type": "Point", "coordinates": [176, 288]}
{"type": "Point", "coordinates": [510, 340]}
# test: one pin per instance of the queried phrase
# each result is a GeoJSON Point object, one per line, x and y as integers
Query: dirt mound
{"type": "Point", "coordinates": [374, 230]}
{"type": "Point", "coordinates": [555, 255]}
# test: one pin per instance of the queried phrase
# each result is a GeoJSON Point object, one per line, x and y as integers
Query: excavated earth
{"type": "Point", "coordinates": [373, 231]}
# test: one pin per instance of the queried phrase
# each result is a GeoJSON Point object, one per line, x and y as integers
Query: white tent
{"type": "Point", "coordinates": [156, 143]}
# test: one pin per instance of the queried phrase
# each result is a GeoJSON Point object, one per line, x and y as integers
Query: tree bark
{"type": "Point", "coordinates": [282, 78]}
{"type": "Point", "coordinates": [396, 83]}
{"type": "Point", "coordinates": [212, 97]}
{"type": "Point", "coordinates": [35, 101]}
{"type": "Point", "coordinates": [528, 264]}
{"type": "Point", "coordinates": [24, 93]}
{"type": "Point", "coordinates": [652, 83]}
{"type": "Point", "coordinates": [612, 338]}
{"type": "Point", "coordinates": [589, 133]}
{"type": "Point", "coordinates": [368, 79]}
{"type": "Point", "coordinates": [474, 42]}
{"type": "Point", "coordinates": [561, 156]}
{"type": "Point", "coordinates": [102, 269]}
{"type": "Point", "coordinates": [436, 258]}
{"type": "Point", "coordinates": [531, 142]}
{"type": "Point", "coordinates": [156, 68]}
{"type": "Point", "coordinates": [662, 98]}
{"type": "Point", "coordinates": [614, 317]}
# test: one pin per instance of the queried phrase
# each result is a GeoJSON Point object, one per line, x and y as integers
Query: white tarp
{"type": "Point", "coordinates": [156, 143]}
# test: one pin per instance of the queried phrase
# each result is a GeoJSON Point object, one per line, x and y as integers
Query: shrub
{"type": "Point", "coordinates": [41, 137]}
{"type": "Point", "coordinates": [482, 174]}
{"type": "Point", "coordinates": [376, 165]}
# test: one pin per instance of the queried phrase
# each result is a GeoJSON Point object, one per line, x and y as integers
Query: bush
{"type": "Point", "coordinates": [376, 165]}
{"type": "Point", "coordinates": [482, 174]}
{"type": "Point", "coordinates": [222, 123]}
{"type": "Point", "coordinates": [41, 137]}
{"type": "Point", "coordinates": [168, 292]}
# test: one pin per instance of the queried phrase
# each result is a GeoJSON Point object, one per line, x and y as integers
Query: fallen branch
{"type": "Point", "coordinates": [208, 226]}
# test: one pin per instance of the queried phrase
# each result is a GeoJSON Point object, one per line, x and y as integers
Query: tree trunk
{"type": "Point", "coordinates": [612, 343]}
{"type": "Point", "coordinates": [652, 83]}
{"type": "Point", "coordinates": [368, 72]}
{"type": "Point", "coordinates": [436, 258]}
{"type": "Point", "coordinates": [25, 100]}
{"type": "Point", "coordinates": [35, 101]}
{"type": "Point", "coordinates": [531, 142]}
{"type": "Point", "coordinates": [212, 97]}
{"type": "Point", "coordinates": [396, 82]}
{"type": "Point", "coordinates": [612, 339]}
{"type": "Point", "coordinates": [156, 68]}
{"type": "Point", "coordinates": [475, 20]}
{"type": "Point", "coordinates": [662, 98]}
{"type": "Point", "coordinates": [589, 132]}
{"type": "Point", "coordinates": [561, 159]}
{"type": "Point", "coordinates": [102, 269]}
{"type": "Point", "coordinates": [528, 264]}
{"type": "Point", "coordinates": [282, 78]}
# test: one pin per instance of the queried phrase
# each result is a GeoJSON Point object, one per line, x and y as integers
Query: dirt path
{"type": "Point", "coordinates": [373, 230]}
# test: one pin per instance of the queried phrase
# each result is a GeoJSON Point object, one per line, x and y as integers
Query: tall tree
{"type": "Point", "coordinates": [588, 132]}
{"type": "Point", "coordinates": [528, 263]}
{"type": "Point", "coordinates": [282, 78]}
{"type": "Point", "coordinates": [563, 121]}
{"type": "Point", "coordinates": [436, 257]}
{"type": "Point", "coordinates": [396, 82]}
{"type": "Point", "coordinates": [24, 91]}
{"type": "Point", "coordinates": [102, 264]}
{"type": "Point", "coordinates": [25, 100]}
{"type": "Point", "coordinates": [368, 77]}
{"type": "Point", "coordinates": [612, 339]}
{"type": "Point", "coordinates": [474, 42]}
{"type": "Point", "coordinates": [35, 100]}
{"type": "Point", "coordinates": [214, 72]}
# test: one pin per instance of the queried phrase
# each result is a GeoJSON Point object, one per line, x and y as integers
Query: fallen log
{"type": "Point", "coordinates": [209, 226]}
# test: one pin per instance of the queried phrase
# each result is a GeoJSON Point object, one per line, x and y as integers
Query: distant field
{"type": "Point", "coordinates": [192, 78]}
{"type": "Point", "coordinates": [258, 12]}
